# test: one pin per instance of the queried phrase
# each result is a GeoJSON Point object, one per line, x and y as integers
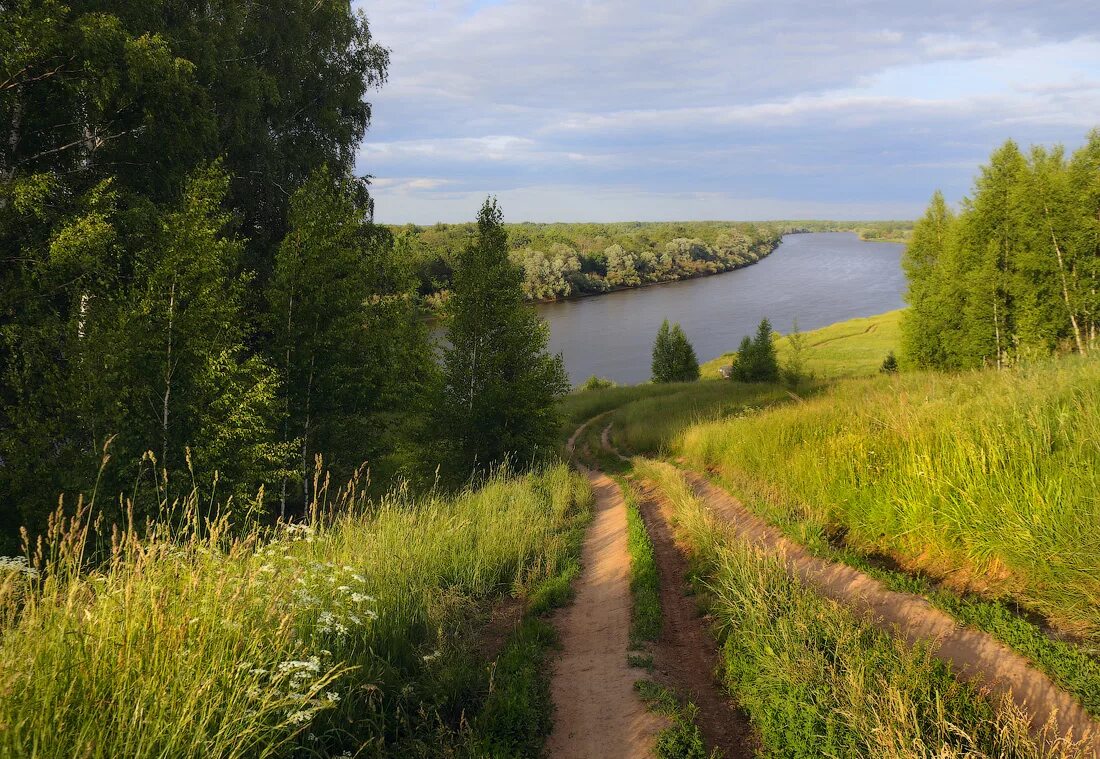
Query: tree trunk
{"type": "Point", "coordinates": [7, 171]}
{"type": "Point", "coordinates": [286, 401]}
{"type": "Point", "coordinates": [1065, 284]}
{"type": "Point", "coordinates": [997, 327]}
{"type": "Point", "coordinates": [168, 371]}
{"type": "Point", "coordinates": [305, 436]}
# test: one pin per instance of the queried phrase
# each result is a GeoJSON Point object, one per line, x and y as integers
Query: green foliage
{"type": "Point", "coordinates": [351, 349]}
{"type": "Point", "coordinates": [145, 346]}
{"type": "Point", "coordinates": [794, 366]}
{"type": "Point", "coordinates": [889, 364]}
{"type": "Point", "coordinates": [673, 356]}
{"type": "Point", "coordinates": [1015, 274]}
{"type": "Point", "coordinates": [595, 383]}
{"type": "Point", "coordinates": [149, 161]}
{"type": "Point", "coordinates": [756, 358]}
{"type": "Point", "coordinates": [564, 260]}
{"type": "Point", "coordinates": [357, 634]}
{"type": "Point", "coordinates": [499, 383]}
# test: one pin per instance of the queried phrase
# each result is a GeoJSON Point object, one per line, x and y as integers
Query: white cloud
{"type": "Point", "coordinates": [857, 102]}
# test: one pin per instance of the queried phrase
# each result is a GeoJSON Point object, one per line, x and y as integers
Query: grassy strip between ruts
{"type": "Point", "coordinates": [682, 739]}
{"type": "Point", "coordinates": [358, 635]}
{"type": "Point", "coordinates": [645, 615]}
{"type": "Point", "coordinates": [817, 679]}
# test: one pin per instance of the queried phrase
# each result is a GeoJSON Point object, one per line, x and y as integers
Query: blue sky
{"type": "Point", "coordinates": [614, 110]}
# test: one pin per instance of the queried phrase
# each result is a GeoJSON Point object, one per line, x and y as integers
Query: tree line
{"type": "Point", "coordinates": [193, 295]}
{"type": "Point", "coordinates": [1015, 273]}
{"type": "Point", "coordinates": [566, 260]}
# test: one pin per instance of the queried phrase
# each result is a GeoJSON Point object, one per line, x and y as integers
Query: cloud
{"type": "Point", "coordinates": [792, 101]}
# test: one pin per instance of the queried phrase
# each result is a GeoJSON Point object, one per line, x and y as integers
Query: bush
{"type": "Point", "coordinates": [596, 383]}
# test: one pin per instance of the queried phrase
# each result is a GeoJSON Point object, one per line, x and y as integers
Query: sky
{"type": "Point", "coordinates": [647, 110]}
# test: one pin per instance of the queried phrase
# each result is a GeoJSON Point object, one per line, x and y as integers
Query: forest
{"type": "Point", "coordinates": [194, 300]}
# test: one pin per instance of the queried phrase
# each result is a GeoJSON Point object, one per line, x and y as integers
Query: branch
{"type": "Point", "coordinates": [14, 80]}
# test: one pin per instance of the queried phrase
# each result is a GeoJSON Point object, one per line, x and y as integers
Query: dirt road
{"type": "Point", "coordinates": [596, 711]}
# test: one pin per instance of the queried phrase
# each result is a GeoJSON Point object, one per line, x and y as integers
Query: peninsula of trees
{"type": "Point", "coordinates": [569, 260]}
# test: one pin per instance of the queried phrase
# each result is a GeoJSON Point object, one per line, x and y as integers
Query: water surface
{"type": "Point", "coordinates": [817, 278]}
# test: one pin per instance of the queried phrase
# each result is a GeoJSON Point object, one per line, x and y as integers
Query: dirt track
{"type": "Point", "coordinates": [596, 711]}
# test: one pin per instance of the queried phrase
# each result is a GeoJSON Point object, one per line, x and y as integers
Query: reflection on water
{"type": "Point", "coordinates": [817, 278]}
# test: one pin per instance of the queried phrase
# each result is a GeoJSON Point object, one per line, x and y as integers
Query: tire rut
{"type": "Point", "coordinates": [974, 655]}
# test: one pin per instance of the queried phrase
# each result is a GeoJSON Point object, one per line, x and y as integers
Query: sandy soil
{"type": "Point", "coordinates": [596, 711]}
{"type": "Point", "coordinates": [973, 654]}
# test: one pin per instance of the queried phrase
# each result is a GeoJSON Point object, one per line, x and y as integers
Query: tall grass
{"type": "Point", "coordinates": [650, 424]}
{"type": "Point", "coordinates": [818, 680]}
{"type": "Point", "coordinates": [989, 478]}
{"type": "Point", "coordinates": [352, 634]}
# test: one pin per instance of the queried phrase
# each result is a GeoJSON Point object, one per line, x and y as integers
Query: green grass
{"type": "Point", "coordinates": [650, 424]}
{"type": "Point", "coordinates": [1075, 666]}
{"type": "Point", "coordinates": [853, 348]}
{"type": "Point", "coordinates": [578, 407]}
{"type": "Point", "coordinates": [359, 634]}
{"type": "Point", "coordinates": [682, 739]}
{"type": "Point", "coordinates": [647, 418]}
{"type": "Point", "coordinates": [989, 478]}
{"type": "Point", "coordinates": [818, 680]}
{"type": "Point", "coordinates": [645, 586]}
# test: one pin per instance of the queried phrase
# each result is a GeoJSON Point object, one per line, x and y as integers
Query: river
{"type": "Point", "coordinates": [816, 278]}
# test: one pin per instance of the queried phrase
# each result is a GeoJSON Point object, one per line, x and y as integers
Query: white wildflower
{"type": "Point", "coordinates": [17, 564]}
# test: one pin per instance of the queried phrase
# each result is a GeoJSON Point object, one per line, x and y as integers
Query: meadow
{"type": "Point", "coordinates": [852, 348]}
{"type": "Point", "coordinates": [974, 491]}
{"type": "Point", "coordinates": [358, 633]}
{"type": "Point", "coordinates": [988, 479]}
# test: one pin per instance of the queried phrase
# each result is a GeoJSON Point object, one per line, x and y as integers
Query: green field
{"type": "Point", "coordinates": [853, 348]}
{"type": "Point", "coordinates": [987, 477]}
{"type": "Point", "coordinates": [360, 634]}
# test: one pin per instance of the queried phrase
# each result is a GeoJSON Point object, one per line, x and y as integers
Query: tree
{"type": "Point", "coordinates": [500, 384]}
{"type": "Point", "coordinates": [932, 320]}
{"type": "Point", "coordinates": [347, 342]}
{"type": "Point", "coordinates": [673, 356]}
{"type": "Point", "coordinates": [889, 364]}
{"type": "Point", "coordinates": [684, 362]}
{"type": "Point", "coordinates": [661, 367]}
{"type": "Point", "coordinates": [143, 342]}
{"type": "Point", "coordinates": [756, 357]}
{"type": "Point", "coordinates": [794, 369]}
{"type": "Point", "coordinates": [1016, 272]}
